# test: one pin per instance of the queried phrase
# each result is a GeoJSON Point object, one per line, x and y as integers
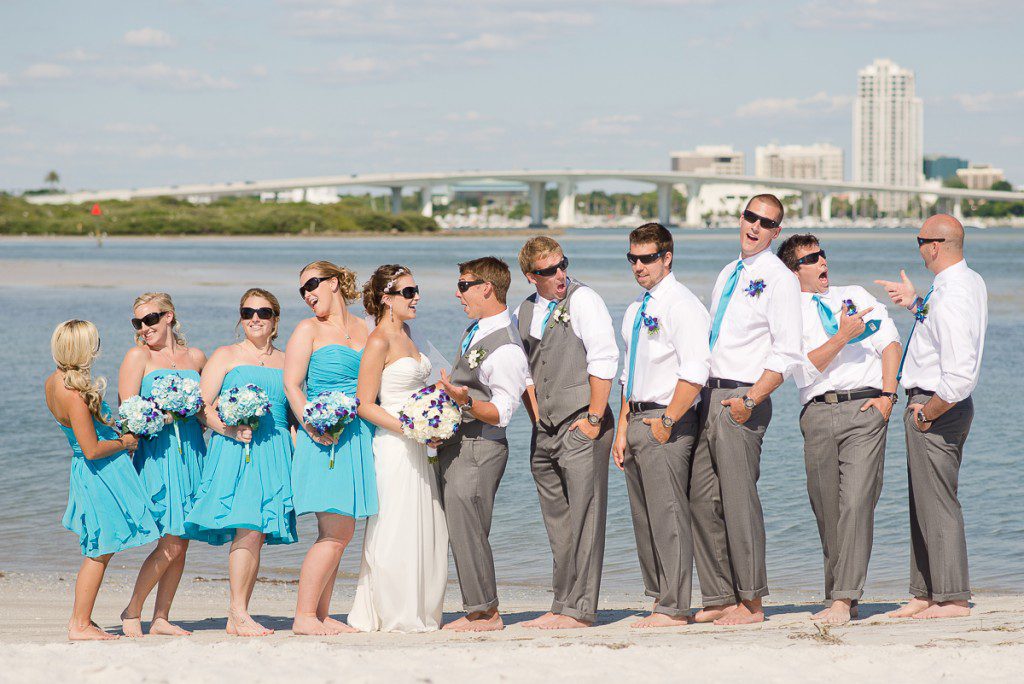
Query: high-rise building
{"type": "Point", "coordinates": [888, 131]}
{"type": "Point", "coordinates": [980, 176]}
{"type": "Point", "coordinates": [715, 160]}
{"type": "Point", "coordinates": [815, 162]}
{"type": "Point", "coordinates": [941, 167]}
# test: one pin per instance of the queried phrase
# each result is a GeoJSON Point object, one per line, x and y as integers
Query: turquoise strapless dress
{"type": "Point", "coordinates": [256, 495]}
{"type": "Point", "coordinates": [107, 506]}
{"type": "Point", "coordinates": [171, 477]}
{"type": "Point", "coordinates": [350, 487]}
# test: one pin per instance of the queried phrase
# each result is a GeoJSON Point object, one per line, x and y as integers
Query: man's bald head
{"type": "Point", "coordinates": [946, 227]}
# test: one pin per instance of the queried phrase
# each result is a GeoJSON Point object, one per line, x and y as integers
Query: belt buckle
{"type": "Point", "coordinates": [831, 398]}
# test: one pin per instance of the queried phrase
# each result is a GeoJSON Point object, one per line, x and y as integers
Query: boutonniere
{"type": "Point", "coordinates": [851, 308]}
{"type": "Point", "coordinates": [559, 315]}
{"type": "Point", "coordinates": [475, 357]}
{"type": "Point", "coordinates": [652, 324]}
{"type": "Point", "coordinates": [755, 288]}
{"type": "Point", "coordinates": [921, 312]}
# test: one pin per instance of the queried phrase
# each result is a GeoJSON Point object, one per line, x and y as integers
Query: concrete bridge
{"type": "Point", "coordinates": [537, 181]}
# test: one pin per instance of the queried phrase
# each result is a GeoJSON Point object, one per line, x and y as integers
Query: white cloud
{"type": "Point", "coordinates": [614, 125]}
{"type": "Point", "coordinates": [127, 128]}
{"type": "Point", "coordinates": [4, 105]}
{"type": "Point", "coordinates": [770, 107]}
{"type": "Point", "coordinates": [162, 75]}
{"type": "Point", "coordinates": [360, 69]}
{"type": "Point", "coordinates": [5, 80]}
{"type": "Point", "coordinates": [259, 71]}
{"type": "Point", "coordinates": [464, 117]}
{"type": "Point", "coordinates": [283, 134]}
{"type": "Point", "coordinates": [11, 130]}
{"type": "Point", "coordinates": [77, 55]}
{"type": "Point", "coordinates": [988, 101]}
{"type": "Point", "coordinates": [148, 38]}
{"type": "Point", "coordinates": [489, 41]}
{"type": "Point", "coordinates": [900, 15]}
{"type": "Point", "coordinates": [44, 71]}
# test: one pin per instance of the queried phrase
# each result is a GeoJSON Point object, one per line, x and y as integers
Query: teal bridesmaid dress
{"type": "Point", "coordinates": [350, 487]}
{"type": "Point", "coordinates": [107, 506]}
{"type": "Point", "coordinates": [256, 495]}
{"type": "Point", "coordinates": [170, 469]}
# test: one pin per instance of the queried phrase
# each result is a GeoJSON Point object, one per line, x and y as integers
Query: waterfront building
{"type": "Point", "coordinates": [816, 162]}
{"type": "Point", "coordinates": [941, 167]}
{"type": "Point", "coordinates": [715, 160]}
{"type": "Point", "coordinates": [980, 176]}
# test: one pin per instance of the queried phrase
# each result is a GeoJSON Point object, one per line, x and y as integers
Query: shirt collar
{"type": "Point", "coordinates": [751, 260]}
{"type": "Point", "coordinates": [950, 273]}
{"type": "Point", "coordinates": [664, 287]}
{"type": "Point", "coordinates": [490, 323]}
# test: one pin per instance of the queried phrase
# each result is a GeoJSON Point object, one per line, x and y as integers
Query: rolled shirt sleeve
{"type": "Point", "coordinates": [785, 325]}
{"type": "Point", "coordinates": [592, 323]}
{"type": "Point", "coordinates": [959, 335]}
{"type": "Point", "coordinates": [505, 371]}
{"type": "Point", "coordinates": [691, 331]}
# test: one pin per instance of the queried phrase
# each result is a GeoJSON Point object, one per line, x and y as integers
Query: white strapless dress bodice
{"type": "Point", "coordinates": [404, 570]}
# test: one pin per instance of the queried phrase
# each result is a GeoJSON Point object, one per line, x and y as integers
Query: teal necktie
{"type": "Point", "coordinates": [831, 325]}
{"type": "Point", "coordinates": [633, 341]}
{"type": "Point", "coordinates": [547, 317]}
{"type": "Point", "coordinates": [899, 373]}
{"type": "Point", "coordinates": [468, 340]}
{"type": "Point", "coordinates": [730, 287]}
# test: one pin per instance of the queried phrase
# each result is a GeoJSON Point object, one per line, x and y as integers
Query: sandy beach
{"type": "Point", "coordinates": [988, 646]}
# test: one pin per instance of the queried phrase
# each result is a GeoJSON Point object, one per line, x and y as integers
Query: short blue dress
{"type": "Point", "coordinates": [107, 506]}
{"type": "Point", "coordinates": [256, 495]}
{"type": "Point", "coordinates": [350, 487]}
{"type": "Point", "coordinates": [170, 471]}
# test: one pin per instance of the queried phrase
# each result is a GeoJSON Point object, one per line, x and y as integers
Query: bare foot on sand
{"type": "Point", "coordinates": [161, 627]}
{"type": "Point", "coordinates": [745, 613]}
{"type": "Point", "coordinates": [712, 613]}
{"type": "Point", "coordinates": [338, 627]}
{"type": "Point", "coordinates": [308, 625]}
{"type": "Point", "coordinates": [240, 623]}
{"type": "Point", "coordinates": [489, 621]}
{"type": "Point", "coordinates": [131, 626]}
{"type": "Point", "coordinates": [565, 622]}
{"type": "Point", "coordinates": [662, 620]}
{"type": "Point", "coordinates": [839, 613]}
{"type": "Point", "coordinates": [915, 606]}
{"type": "Point", "coordinates": [89, 632]}
{"type": "Point", "coordinates": [540, 621]}
{"type": "Point", "coordinates": [945, 609]}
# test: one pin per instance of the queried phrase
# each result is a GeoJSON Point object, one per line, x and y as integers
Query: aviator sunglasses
{"type": "Point", "coordinates": [265, 313]}
{"type": "Point", "coordinates": [751, 217]}
{"type": "Point", "coordinates": [552, 270]}
{"type": "Point", "coordinates": [406, 292]}
{"type": "Point", "coordinates": [464, 285]}
{"type": "Point", "coordinates": [811, 258]}
{"type": "Point", "coordinates": [645, 259]}
{"type": "Point", "coordinates": [149, 319]}
{"type": "Point", "coordinates": [312, 284]}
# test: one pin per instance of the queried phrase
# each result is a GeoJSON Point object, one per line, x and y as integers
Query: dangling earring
{"type": "Point", "coordinates": [392, 313]}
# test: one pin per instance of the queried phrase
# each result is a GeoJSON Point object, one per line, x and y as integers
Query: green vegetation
{"type": "Point", "coordinates": [228, 216]}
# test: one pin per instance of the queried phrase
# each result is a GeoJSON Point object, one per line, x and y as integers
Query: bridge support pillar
{"type": "Point", "coordinates": [693, 205]}
{"type": "Point", "coordinates": [427, 201]}
{"type": "Point", "coordinates": [826, 208]}
{"type": "Point", "coordinates": [958, 209]}
{"type": "Point", "coordinates": [806, 200]}
{"type": "Point", "coordinates": [537, 204]}
{"type": "Point", "coordinates": [396, 200]}
{"type": "Point", "coordinates": [665, 204]}
{"type": "Point", "coordinates": [566, 203]}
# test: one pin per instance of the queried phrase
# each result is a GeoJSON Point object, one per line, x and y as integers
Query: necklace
{"type": "Point", "coordinates": [261, 356]}
{"type": "Point", "coordinates": [342, 329]}
{"type": "Point", "coordinates": [170, 357]}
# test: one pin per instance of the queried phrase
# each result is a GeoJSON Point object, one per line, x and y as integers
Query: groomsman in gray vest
{"type": "Point", "coordinates": [755, 345]}
{"type": "Point", "coordinates": [848, 390]}
{"type": "Point", "coordinates": [667, 362]}
{"type": "Point", "coordinates": [488, 378]}
{"type": "Point", "coordinates": [570, 343]}
{"type": "Point", "coordinates": [940, 370]}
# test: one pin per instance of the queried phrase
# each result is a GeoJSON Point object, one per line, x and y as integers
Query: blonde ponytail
{"type": "Point", "coordinates": [75, 344]}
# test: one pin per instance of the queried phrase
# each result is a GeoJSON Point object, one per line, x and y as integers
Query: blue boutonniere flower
{"type": "Point", "coordinates": [755, 288]}
{"type": "Point", "coordinates": [652, 324]}
{"type": "Point", "coordinates": [921, 312]}
{"type": "Point", "coordinates": [851, 308]}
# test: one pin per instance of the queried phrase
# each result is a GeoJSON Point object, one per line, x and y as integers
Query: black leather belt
{"type": "Point", "coordinates": [641, 406]}
{"type": "Point", "coordinates": [837, 397]}
{"type": "Point", "coordinates": [914, 390]}
{"type": "Point", "coordinates": [720, 383]}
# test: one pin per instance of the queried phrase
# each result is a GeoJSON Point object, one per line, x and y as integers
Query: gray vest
{"type": "Point", "coordinates": [463, 375]}
{"type": "Point", "coordinates": [558, 363]}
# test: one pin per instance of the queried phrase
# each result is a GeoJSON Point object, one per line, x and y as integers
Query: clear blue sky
{"type": "Point", "coordinates": [131, 94]}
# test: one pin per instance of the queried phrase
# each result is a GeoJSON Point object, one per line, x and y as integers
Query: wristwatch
{"type": "Point", "coordinates": [666, 421]}
{"type": "Point", "coordinates": [921, 418]}
{"type": "Point", "coordinates": [894, 397]}
{"type": "Point", "coordinates": [749, 403]}
{"type": "Point", "coordinates": [468, 406]}
{"type": "Point", "coordinates": [593, 419]}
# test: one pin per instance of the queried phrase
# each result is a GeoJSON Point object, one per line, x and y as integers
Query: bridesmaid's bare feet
{"type": "Point", "coordinates": [89, 632]}
{"type": "Point", "coordinates": [162, 627]}
{"type": "Point", "coordinates": [240, 623]}
{"type": "Point", "coordinates": [131, 627]}
{"type": "Point", "coordinates": [337, 626]}
{"type": "Point", "coordinates": [308, 625]}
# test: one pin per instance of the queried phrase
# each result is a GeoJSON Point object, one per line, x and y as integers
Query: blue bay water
{"type": "Point", "coordinates": [64, 278]}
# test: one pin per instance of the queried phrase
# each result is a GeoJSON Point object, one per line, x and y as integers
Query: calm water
{"type": "Point", "coordinates": [206, 277]}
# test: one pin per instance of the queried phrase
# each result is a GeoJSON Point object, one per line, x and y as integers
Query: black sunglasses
{"type": "Point", "coordinates": [644, 258]}
{"type": "Point", "coordinates": [312, 284]}
{"type": "Point", "coordinates": [751, 217]}
{"type": "Point", "coordinates": [811, 258]}
{"type": "Point", "coordinates": [265, 313]}
{"type": "Point", "coordinates": [149, 319]}
{"type": "Point", "coordinates": [466, 284]}
{"type": "Point", "coordinates": [406, 292]}
{"type": "Point", "coordinates": [552, 270]}
{"type": "Point", "coordinates": [921, 242]}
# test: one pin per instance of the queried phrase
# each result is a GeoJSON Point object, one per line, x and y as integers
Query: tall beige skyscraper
{"type": "Point", "coordinates": [888, 131]}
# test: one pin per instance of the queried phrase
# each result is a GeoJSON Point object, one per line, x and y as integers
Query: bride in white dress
{"type": "Point", "coordinates": [404, 569]}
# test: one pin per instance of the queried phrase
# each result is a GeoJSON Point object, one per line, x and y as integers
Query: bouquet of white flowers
{"type": "Point", "coordinates": [140, 416]}
{"type": "Point", "coordinates": [179, 398]}
{"type": "Point", "coordinates": [430, 414]}
{"type": "Point", "coordinates": [243, 405]}
{"type": "Point", "coordinates": [328, 413]}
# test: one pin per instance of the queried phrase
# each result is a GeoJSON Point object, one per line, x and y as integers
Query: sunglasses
{"type": "Point", "coordinates": [552, 270]}
{"type": "Point", "coordinates": [644, 258]}
{"type": "Point", "coordinates": [265, 313]}
{"type": "Point", "coordinates": [751, 217]}
{"type": "Point", "coordinates": [464, 285]}
{"type": "Point", "coordinates": [921, 242]}
{"type": "Point", "coordinates": [312, 284]}
{"type": "Point", "coordinates": [149, 319]}
{"type": "Point", "coordinates": [811, 258]}
{"type": "Point", "coordinates": [406, 292]}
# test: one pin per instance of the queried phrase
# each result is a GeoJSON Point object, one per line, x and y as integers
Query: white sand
{"type": "Point", "coordinates": [34, 609]}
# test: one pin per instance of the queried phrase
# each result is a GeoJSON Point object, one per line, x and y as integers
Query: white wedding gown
{"type": "Point", "coordinates": [404, 569]}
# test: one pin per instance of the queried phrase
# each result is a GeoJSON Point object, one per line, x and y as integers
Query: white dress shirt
{"type": "Point", "coordinates": [505, 370]}
{"type": "Point", "coordinates": [858, 364]}
{"type": "Point", "coordinates": [945, 352]}
{"type": "Point", "coordinates": [677, 351]}
{"type": "Point", "coordinates": [761, 332]}
{"type": "Point", "coordinates": [591, 322]}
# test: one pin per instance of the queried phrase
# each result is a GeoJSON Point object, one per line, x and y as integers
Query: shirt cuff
{"type": "Point", "coordinates": [506, 409]}
{"type": "Point", "coordinates": [602, 369]}
{"type": "Point", "coordinates": [782, 365]}
{"type": "Point", "coordinates": [694, 372]}
{"type": "Point", "coordinates": [949, 394]}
